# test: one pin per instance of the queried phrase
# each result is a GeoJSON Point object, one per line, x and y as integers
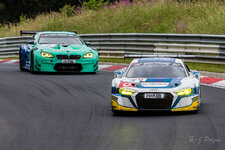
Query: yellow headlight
{"type": "Point", "coordinates": [184, 92]}
{"type": "Point", "coordinates": [47, 55]}
{"type": "Point", "coordinates": [126, 91]}
{"type": "Point", "coordinates": [88, 55]}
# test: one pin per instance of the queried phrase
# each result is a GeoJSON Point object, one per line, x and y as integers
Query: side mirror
{"type": "Point", "coordinates": [30, 42]}
{"type": "Point", "coordinates": [118, 74]}
{"type": "Point", "coordinates": [88, 43]}
{"type": "Point", "coordinates": [195, 74]}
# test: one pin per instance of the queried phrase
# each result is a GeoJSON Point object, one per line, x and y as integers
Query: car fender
{"type": "Point", "coordinates": [22, 48]}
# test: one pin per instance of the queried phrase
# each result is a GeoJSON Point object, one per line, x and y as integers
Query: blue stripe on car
{"type": "Point", "coordinates": [173, 82]}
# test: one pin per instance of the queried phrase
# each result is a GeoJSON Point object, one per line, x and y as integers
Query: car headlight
{"type": "Point", "coordinates": [88, 55]}
{"type": "Point", "coordinates": [126, 91]}
{"type": "Point", "coordinates": [184, 92]}
{"type": "Point", "coordinates": [47, 55]}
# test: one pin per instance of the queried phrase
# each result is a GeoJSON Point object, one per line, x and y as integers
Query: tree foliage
{"type": "Point", "coordinates": [12, 10]}
{"type": "Point", "coordinates": [95, 4]}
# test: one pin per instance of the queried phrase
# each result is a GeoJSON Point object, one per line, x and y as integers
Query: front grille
{"type": "Point", "coordinates": [157, 103]}
{"type": "Point", "coordinates": [62, 56]}
{"type": "Point", "coordinates": [74, 56]}
{"type": "Point", "coordinates": [68, 67]}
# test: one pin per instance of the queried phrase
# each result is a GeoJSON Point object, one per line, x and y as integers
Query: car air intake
{"type": "Point", "coordinates": [68, 67]}
{"type": "Point", "coordinates": [74, 56]}
{"type": "Point", "coordinates": [62, 56]}
{"type": "Point", "coordinates": [154, 103]}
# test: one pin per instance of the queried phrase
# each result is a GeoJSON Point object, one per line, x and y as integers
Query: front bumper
{"type": "Point", "coordinates": [172, 103]}
{"type": "Point", "coordinates": [56, 65]}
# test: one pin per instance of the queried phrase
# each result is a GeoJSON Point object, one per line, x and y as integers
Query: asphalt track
{"type": "Point", "coordinates": [72, 112]}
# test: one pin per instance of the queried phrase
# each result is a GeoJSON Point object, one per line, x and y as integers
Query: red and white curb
{"type": "Point", "coordinates": [209, 81]}
{"type": "Point", "coordinates": [8, 61]}
{"type": "Point", "coordinates": [214, 82]}
{"type": "Point", "coordinates": [110, 67]}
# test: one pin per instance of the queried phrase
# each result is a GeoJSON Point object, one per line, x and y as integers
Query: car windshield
{"type": "Point", "coordinates": [69, 39]}
{"type": "Point", "coordinates": [156, 70]}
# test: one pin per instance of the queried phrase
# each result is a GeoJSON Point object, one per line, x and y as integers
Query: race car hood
{"type": "Point", "coordinates": [60, 49]}
{"type": "Point", "coordinates": [154, 82]}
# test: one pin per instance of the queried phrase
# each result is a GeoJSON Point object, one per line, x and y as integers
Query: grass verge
{"type": "Point", "coordinates": [198, 17]}
{"type": "Point", "coordinates": [13, 58]}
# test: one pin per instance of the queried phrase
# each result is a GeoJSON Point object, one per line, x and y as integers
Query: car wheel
{"type": "Point", "coordinates": [116, 112]}
{"type": "Point", "coordinates": [195, 111]}
{"type": "Point", "coordinates": [21, 64]}
{"type": "Point", "coordinates": [32, 63]}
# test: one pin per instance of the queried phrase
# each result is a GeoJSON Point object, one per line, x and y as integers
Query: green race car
{"type": "Point", "coordinates": [57, 51]}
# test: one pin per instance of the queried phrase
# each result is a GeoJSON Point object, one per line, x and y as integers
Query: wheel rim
{"type": "Point", "coordinates": [21, 64]}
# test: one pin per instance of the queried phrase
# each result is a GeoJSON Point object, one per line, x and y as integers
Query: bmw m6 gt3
{"type": "Point", "coordinates": [57, 51]}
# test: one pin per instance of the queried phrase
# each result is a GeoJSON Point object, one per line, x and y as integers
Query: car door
{"type": "Point", "coordinates": [29, 46]}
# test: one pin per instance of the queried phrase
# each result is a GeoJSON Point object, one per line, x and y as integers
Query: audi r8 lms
{"type": "Point", "coordinates": [156, 84]}
{"type": "Point", "coordinates": [57, 51]}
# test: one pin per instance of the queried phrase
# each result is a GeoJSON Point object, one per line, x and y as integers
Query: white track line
{"type": "Point", "coordinates": [10, 62]}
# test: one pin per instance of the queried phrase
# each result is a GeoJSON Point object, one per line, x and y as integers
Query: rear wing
{"type": "Point", "coordinates": [34, 32]}
{"type": "Point", "coordinates": [27, 32]}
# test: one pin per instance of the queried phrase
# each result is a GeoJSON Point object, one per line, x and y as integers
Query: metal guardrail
{"type": "Point", "coordinates": [190, 47]}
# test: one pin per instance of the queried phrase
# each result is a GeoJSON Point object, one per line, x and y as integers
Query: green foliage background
{"type": "Point", "coordinates": [11, 10]}
{"type": "Point", "coordinates": [122, 17]}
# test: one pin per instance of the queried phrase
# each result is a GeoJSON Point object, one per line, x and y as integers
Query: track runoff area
{"type": "Point", "coordinates": [72, 111]}
{"type": "Point", "coordinates": [205, 80]}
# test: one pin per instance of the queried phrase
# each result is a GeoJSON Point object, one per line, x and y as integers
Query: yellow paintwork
{"type": "Point", "coordinates": [195, 98]}
{"type": "Point", "coordinates": [114, 98]}
{"type": "Point", "coordinates": [193, 106]}
{"type": "Point", "coordinates": [116, 106]}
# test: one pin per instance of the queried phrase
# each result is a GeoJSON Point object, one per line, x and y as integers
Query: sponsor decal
{"type": "Point", "coordinates": [154, 84]}
{"type": "Point", "coordinates": [125, 84]}
{"type": "Point", "coordinates": [142, 79]}
{"type": "Point", "coordinates": [52, 45]}
{"type": "Point", "coordinates": [153, 90]}
{"type": "Point", "coordinates": [156, 60]}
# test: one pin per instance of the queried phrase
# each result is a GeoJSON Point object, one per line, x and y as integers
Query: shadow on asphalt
{"type": "Point", "coordinates": [153, 113]}
{"type": "Point", "coordinates": [61, 73]}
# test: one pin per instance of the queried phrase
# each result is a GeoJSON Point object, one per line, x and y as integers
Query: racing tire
{"type": "Point", "coordinates": [21, 64]}
{"type": "Point", "coordinates": [195, 111]}
{"type": "Point", "coordinates": [115, 111]}
{"type": "Point", "coordinates": [32, 63]}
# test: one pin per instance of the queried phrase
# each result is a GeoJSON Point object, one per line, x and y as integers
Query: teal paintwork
{"type": "Point", "coordinates": [34, 61]}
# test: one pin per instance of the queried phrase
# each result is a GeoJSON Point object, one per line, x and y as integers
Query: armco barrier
{"type": "Point", "coordinates": [201, 47]}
